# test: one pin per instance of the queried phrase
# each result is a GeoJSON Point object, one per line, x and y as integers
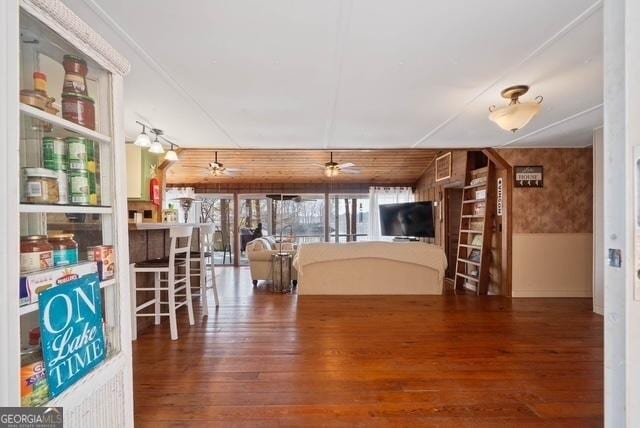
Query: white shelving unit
{"type": "Point", "coordinates": [62, 127]}
{"type": "Point", "coordinates": [40, 33]}
{"type": "Point", "coordinates": [82, 209]}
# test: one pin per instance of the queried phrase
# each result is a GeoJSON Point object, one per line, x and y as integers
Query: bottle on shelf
{"type": "Point", "coordinates": [34, 390]}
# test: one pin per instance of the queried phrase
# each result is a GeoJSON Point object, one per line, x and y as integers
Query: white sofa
{"type": "Point", "coordinates": [370, 268]}
{"type": "Point", "coordinates": [260, 252]}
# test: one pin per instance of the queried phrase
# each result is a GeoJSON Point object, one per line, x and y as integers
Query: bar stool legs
{"type": "Point", "coordinates": [174, 286]}
{"type": "Point", "coordinates": [213, 283]}
{"type": "Point", "coordinates": [156, 284]}
{"type": "Point", "coordinates": [132, 288]}
{"type": "Point", "coordinates": [203, 283]}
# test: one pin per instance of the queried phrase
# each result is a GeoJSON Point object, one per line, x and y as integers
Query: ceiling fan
{"type": "Point", "coordinates": [332, 169]}
{"type": "Point", "coordinates": [217, 169]}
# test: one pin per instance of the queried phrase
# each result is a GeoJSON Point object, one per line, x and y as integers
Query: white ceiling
{"type": "Point", "coordinates": [355, 74]}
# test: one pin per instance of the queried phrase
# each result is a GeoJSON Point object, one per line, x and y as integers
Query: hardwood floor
{"type": "Point", "coordinates": [283, 360]}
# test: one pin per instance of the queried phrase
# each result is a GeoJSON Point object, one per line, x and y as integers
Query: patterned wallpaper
{"type": "Point", "coordinates": [564, 204]}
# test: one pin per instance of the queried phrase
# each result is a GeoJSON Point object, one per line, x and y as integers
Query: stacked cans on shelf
{"type": "Point", "coordinates": [75, 164]}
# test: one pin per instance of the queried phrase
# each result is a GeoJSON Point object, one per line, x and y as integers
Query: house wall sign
{"type": "Point", "coordinates": [528, 176]}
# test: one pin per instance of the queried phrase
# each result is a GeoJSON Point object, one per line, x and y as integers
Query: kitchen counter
{"type": "Point", "coordinates": [158, 226]}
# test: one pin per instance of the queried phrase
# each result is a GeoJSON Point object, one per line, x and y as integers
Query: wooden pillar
{"type": "Point", "coordinates": [236, 230]}
{"type": "Point", "coordinates": [336, 214]}
{"type": "Point", "coordinates": [354, 219]}
{"type": "Point", "coordinates": [161, 175]}
{"type": "Point", "coordinates": [327, 211]}
{"type": "Point", "coordinates": [347, 219]}
{"type": "Point", "coordinates": [274, 216]}
{"type": "Point", "coordinates": [249, 204]}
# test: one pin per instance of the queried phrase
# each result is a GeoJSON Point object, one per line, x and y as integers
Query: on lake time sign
{"type": "Point", "coordinates": [528, 176]}
{"type": "Point", "coordinates": [72, 336]}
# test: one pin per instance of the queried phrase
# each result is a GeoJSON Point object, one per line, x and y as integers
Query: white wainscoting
{"type": "Point", "coordinates": [552, 265]}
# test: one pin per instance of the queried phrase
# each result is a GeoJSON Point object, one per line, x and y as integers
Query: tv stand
{"type": "Point", "coordinates": [405, 239]}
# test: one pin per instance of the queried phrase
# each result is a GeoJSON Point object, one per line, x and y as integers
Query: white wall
{"type": "Point", "coordinates": [599, 256]}
{"type": "Point", "coordinates": [621, 137]}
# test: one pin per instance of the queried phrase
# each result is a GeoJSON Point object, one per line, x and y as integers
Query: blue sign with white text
{"type": "Point", "coordinates": [72, 335]}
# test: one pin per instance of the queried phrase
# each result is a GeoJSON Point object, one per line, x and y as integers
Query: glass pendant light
{"type": "Point", "coordinates": [156, 147]}
{"type": "Point", "coordinates": [516, 115]}
{"type": "Point", "coordinates": [171, 155]}
{"type": "Point", "coordinates": [143, 140]}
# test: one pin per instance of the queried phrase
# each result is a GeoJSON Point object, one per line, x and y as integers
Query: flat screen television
{"type": "Point", "coordinates": [413, 219]}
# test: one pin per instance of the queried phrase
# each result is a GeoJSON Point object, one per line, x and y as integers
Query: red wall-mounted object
{"type": "Point", "coordinates": [154, 191]}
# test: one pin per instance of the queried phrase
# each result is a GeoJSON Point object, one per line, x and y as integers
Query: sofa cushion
{"type": "Point", "coordinates": [259, 244]}
{"type": "Point", "coordinates": [272, 241]}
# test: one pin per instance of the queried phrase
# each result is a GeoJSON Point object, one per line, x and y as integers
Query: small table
{"type": "Point", "coordinates": [281, 268]}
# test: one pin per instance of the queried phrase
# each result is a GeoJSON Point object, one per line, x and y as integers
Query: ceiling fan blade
{"type": "Point", "coordinates": [350, 171]}
{"type": "Point", "coordinates": [227, 173]}
{"type": "Point", "coordinates": [233, 169]}
{"type": "Point", "coordinates": [318, 165]}
{"type": "Point", "coordinates": [346, 165]}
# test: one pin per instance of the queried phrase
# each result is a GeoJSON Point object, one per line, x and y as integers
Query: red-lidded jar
{"type": "Point", "coordinates": [40, 82]}
{"type": "Point", "coordinates": [80, 109]}
{"type": "Point", "coordinates": [35, 253]}
{"type": "Point", "coordinates": [74, 64]}
{"type": "Point", "coordinates": [75, 78]}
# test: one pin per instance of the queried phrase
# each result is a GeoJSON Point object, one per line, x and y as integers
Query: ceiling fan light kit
{"type": "Point", "coordinates": [217, 169]}
{"type": "Point", "coordinates": [515, 115]}
{"type": "Point", "coordinates": [333, 169]}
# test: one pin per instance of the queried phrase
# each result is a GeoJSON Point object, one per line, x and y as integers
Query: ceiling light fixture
{"type": "Point", "coordinates": [331, 172]}
{"type": "Point", "coordinates": [156, 147]}
{"type": "Point", "coordinates": [143, 140]}
{"type": "Point", "coordinates": [171, 155]}
{"type": "Point", "coordinates": [516, 115]}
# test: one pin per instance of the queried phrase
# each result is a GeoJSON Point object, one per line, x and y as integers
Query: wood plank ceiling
{"type": "Point", "coordinates": [403, 166]}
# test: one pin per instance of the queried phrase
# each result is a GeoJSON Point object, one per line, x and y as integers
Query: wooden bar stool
{"type": "Point", "coordinates": [179, 257]}
{"type": "Point", "coordinates": [199, 267]}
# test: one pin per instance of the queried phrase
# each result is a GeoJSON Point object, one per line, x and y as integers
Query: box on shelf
{"type": "Point", "coordinates": [481, 194]}
{"type": "Point", "coordinates": [103, 256]}
{"type": "Point", "coordinates": [33, 283]}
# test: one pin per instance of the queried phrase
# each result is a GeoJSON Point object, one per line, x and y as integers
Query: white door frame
{"type": "Point", "coordinates": [621, 140]}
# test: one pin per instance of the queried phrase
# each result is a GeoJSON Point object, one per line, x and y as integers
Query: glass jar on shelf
{"type": "Point", "coordinates": [65, 249]}
{"type": "Point", "coordinates": [40, 186]}
{"type": "Point", "coordinates": [35, 253]}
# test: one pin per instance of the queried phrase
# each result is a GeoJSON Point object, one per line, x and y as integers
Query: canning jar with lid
{"type": "Point", "coordinates": [35, 253]}
{"type": "Point", "coordinates": [75, 78]}
{"type": "Point", "coordinates": [80, 109]}
{"type": "Point", "coordinates": [65, 249]}
{"type": "Point", "coordinates": [40, 186]}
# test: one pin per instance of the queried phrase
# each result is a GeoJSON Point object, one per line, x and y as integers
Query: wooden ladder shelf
{"type": "Point", "coordinates": [476, 226]}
